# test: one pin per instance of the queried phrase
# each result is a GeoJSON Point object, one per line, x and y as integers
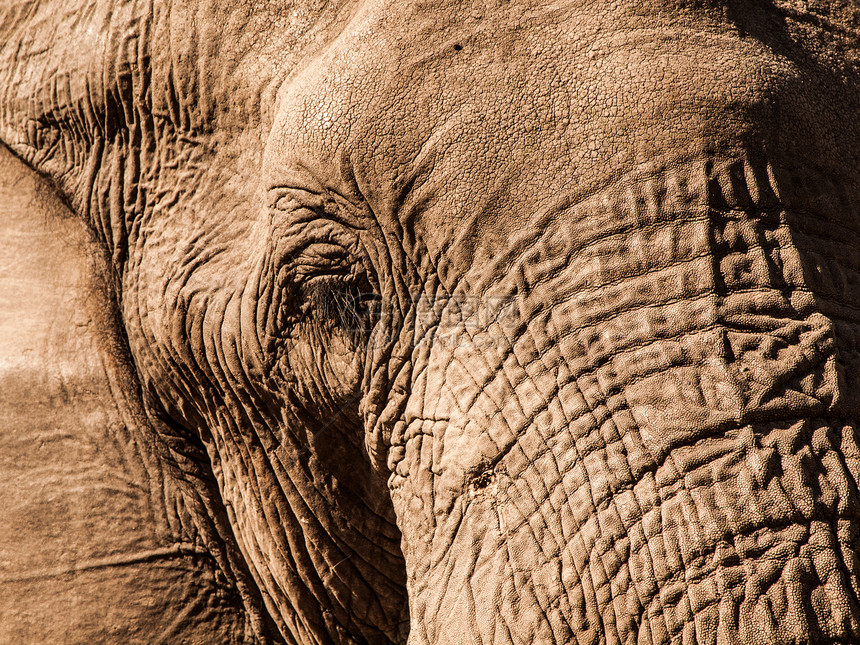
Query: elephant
{"type": "Point", "coordinates": [490, 322]}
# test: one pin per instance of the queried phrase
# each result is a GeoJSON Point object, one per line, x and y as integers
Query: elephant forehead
{"type": "Point", "coordinates": [466, 139]}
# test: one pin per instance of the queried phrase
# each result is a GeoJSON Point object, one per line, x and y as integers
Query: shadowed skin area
{"type": "Point", "coordinates": [606, 388]}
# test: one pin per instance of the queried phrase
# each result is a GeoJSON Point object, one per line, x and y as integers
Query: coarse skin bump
{"type": "Point", "coordinates": [432, 322]}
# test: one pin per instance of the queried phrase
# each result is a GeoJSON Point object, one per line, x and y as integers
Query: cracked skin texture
{"type": "Point", "coordinates": [656, 443]}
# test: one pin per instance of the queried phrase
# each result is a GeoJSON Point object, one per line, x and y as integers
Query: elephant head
{"type": "Point", "coordinates": [493, 322]}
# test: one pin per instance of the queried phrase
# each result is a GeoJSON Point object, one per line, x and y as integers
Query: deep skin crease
{"type": "Point", "coordinates": [656, 444]}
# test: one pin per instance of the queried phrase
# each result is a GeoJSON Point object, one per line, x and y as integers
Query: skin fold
{"type": "Point", "coordinates": [488, 323]}
{"type": "Point", "coordinates": [102, 540]}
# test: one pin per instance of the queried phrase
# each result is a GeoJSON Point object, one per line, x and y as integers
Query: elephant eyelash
{"type": "Point", "coordinates": [348, 303]}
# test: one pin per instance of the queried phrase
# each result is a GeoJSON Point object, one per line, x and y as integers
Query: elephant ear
{"type": "Point", "coordinates": [103, 538]}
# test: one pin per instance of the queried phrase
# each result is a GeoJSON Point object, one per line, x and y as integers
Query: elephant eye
{"type": "Point", "coordinates": [344, 303]}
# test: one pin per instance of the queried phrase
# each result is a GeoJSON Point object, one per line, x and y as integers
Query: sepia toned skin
{"type": "Point", "coordinates": [493, 322]}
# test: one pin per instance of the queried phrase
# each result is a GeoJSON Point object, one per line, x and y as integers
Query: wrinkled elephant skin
{"type": "Point", "coordinates": [488, 323]}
